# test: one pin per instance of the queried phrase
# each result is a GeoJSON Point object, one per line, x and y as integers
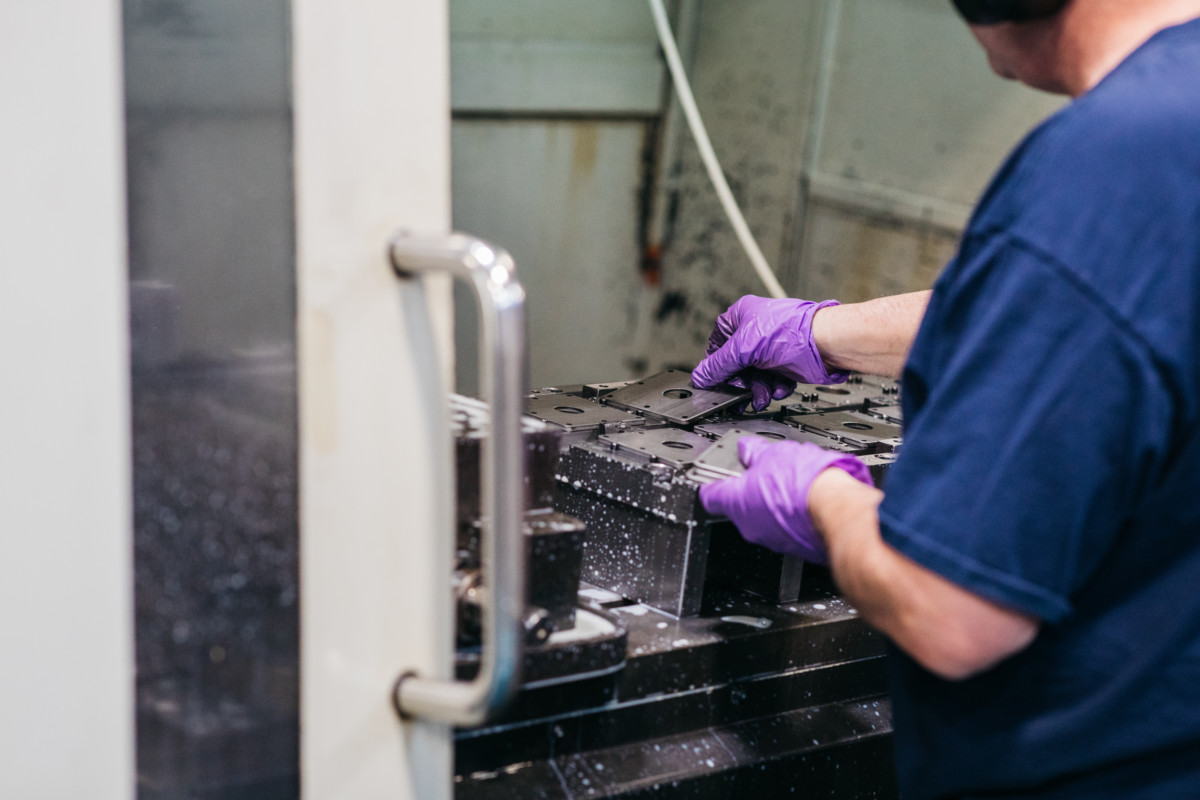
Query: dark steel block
{"type": "Point", "coordinates": [650, 540]}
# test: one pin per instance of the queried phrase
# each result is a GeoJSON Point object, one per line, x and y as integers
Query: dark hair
{"type": "Point", "coordinates": [990, 12]}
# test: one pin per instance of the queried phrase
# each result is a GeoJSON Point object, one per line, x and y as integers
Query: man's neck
{"type": "Point", "coordinates": [1092, 37]}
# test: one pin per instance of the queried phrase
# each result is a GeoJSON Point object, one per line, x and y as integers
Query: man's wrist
{"type": "Point", "coordinates": [837, 503]}
{"type": "Point", "coordinates": [824, 327]}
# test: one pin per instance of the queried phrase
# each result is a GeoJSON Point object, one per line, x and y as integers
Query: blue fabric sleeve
{"type": "Point", "coordinates": [1022, 457]}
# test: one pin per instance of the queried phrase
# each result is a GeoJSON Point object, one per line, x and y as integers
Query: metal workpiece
{"type": "Point", "coordinates": [734, 564]}
{"type": "Point", "coordinates": [857, 392]}
{"type": "Point", "coordinates": [642, 556]}
{"type": "Point", "coordinates": [853, 428]}
{"type": "Point", "coordinates": [769, 428]}
{"type": "Point", "coordinates": [775, 430]}
{"type": "Point", "coordinates": [491, 272]}
{"type": "Point", "coordinates": [574, 390]}
{"type": "Point", "coordinates": [674, 447]}
{"type": "Point", "coordinates": [547, 390]}
{"type": "Point", "coordinates": [670, 396]}
{"type": "Point", "coordinates": [603, 389]}
{"type": "Point", "coordinates": [649, 538]}
{"type": "Point", "coordinates": [721, 459]}
{"type": "Point", "coordinates": [647, 534]}
{"type": "Point", "coordinates": [655, 488]}
{"type": "Point", "coordinates": [574, 414]}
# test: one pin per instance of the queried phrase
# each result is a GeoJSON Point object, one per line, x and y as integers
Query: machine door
{"type": "Point", "coordinates": [371, 114]}
{"type": "Point", "coordinates": [291, 478]}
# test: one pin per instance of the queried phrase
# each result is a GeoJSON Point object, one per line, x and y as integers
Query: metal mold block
{"type": "Point", "coordinates": [574, 413]}
{"type": "Point", "coordinates": [670, 396]}
{"type": "Point", "coordinates": [677, 448]}
{"type": "Point", "coordinates": [734, 564]}
{"type": "Point", "coordinates": [640, 555]}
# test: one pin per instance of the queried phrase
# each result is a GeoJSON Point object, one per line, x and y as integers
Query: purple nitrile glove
{"type": "Point", "coordinates": [767, 346]}
{"type": "Point", "coordinates": [769, 503]}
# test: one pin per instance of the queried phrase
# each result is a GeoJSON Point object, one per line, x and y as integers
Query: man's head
{"type": "Point", "coordinates": [990, 12]}
{"type": "Point", "coordinates": [1067, 46]}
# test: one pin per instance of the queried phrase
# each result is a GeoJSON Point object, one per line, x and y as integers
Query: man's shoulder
{"type": "Point", "coordinates": [1148, 107]}
{"type": "Point", "coordinates": [1132, 146]}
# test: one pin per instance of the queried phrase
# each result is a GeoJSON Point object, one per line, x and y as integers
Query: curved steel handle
{"type": "Point", "coordinates": [490, 271]}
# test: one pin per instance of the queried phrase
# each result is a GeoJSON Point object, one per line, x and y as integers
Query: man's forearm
{"type": "Point", "coordinates": [872, 337]}
{"type": "Point", "coordinates": [947, 629]}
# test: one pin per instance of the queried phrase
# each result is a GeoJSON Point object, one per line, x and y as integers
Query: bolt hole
{"type": "Point", "coordinates": [569, 409]}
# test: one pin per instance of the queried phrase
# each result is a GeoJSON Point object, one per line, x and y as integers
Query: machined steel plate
{"type": "Point", "coordinates": [767, 428]}
{"type": "Point", "coordinates": [677, 448]}
{"type": "Point", "coordinates": [721, 459]}
{"type": "Point", "coordinates": [575, 413]}
{"type": "Point", "coordinates": [852, 428]}
{"type": "Point", "coordinates": [671, 396]}
{"type": "Point", "coordinates": [855, 392]}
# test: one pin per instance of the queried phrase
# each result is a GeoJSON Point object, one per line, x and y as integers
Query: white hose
{"type": "Point", "coordinates": [684, 92]}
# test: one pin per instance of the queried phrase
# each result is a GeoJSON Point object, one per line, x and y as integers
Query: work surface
{"type": "Point", "coordinates": [747, 696]}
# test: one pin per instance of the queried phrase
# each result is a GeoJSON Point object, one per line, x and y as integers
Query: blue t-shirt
{"type": "Point", "coordinates": [1052, 454]}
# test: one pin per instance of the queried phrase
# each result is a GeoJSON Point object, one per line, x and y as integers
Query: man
{"type": "Point", "coordinates": [1036, 559]}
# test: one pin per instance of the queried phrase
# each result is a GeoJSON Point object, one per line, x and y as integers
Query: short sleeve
{"type": "Point", "coordinates": [1039, 421]}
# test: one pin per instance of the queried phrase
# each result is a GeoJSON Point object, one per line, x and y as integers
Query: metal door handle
{"type": "Point", "coordinates": [503, 363]}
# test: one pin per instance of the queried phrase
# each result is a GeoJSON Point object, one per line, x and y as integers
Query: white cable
{"type": "Point", "coordinates": [684, 92]}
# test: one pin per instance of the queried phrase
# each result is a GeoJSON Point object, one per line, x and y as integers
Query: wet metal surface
{"type": "Point", "coordinates": [719, 703]}
{"type": "Point", "coordinates": [740, 670]}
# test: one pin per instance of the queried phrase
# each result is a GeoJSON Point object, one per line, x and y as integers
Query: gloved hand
{"type": "Point", "coordinates": [767, 346]}
{"type": "Point", "coordinates": [769, 503]}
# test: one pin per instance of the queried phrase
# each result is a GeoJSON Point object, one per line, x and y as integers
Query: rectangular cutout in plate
{"type": "Point", "coordinates": [671, 396]}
